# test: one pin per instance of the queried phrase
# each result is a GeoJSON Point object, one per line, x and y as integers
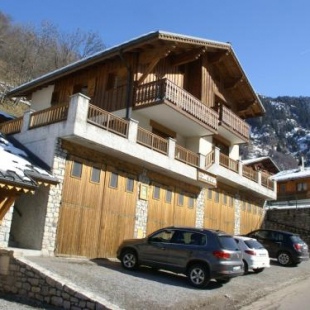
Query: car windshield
{"type": "Point", "coordinates": [253, 244]}
{"type": "Point", "coordinates": [228, 243]}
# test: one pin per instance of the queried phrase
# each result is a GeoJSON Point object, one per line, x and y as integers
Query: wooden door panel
{"type": "Point", "coordinates": [118, 214]}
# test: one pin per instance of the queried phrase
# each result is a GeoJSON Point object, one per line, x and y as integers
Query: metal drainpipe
{"type": "Point", "coordinates": [129, 85]}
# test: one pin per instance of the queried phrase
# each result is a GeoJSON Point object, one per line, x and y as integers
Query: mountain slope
{"type": "Point", "coordinates": [283, 133]}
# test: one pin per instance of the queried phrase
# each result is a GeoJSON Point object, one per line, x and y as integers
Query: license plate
{"type": "Point", "coordinates": [236, 268]}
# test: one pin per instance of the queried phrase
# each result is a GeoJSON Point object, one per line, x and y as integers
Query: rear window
{"type": "Point", "coordinates": [253, 244]}
{"type": "Point", "coordinates": [228, 243]}
{"type": "Point", "coordinates": [296, 239]}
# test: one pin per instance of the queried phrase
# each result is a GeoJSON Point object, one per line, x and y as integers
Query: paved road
{"type": "Point", "coordinates": [147, 289]}
{"type": "Point", "coordinates": [294, 296]}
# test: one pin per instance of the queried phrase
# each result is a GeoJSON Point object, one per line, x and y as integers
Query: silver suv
{"type": "Point", "coordinates": [201, 254]}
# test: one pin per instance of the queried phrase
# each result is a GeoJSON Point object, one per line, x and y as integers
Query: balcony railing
{"type": "Point", "coordinates": [13, 126]}
{"type": "Point", "coordinates": [164, 89]}
{"type": "Point", "coordinates": [48, 116]}
{"type": "Point", "coordinates": [186, 156]}
{"type": "Point", "coordinates": [106, 120]}
{"type": "Point", "coordinates": [230, 119]}
{"type": "Point", "coordinates": [266, 181]}
{"type": "Point", "coordinates": [152, 141]}
{"type": "Point", "coordinates": [110, 122]}
{"type": "Point", "coordinates": [228, 163]}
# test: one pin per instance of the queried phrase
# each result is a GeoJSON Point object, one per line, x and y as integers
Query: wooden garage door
{"type": "Point", "coordinates": [251, 217]}
{"type": "Point", "coordinates": [219, 211]}
{"type": "Point", "coordinates": [97, 210]}
{"type": "Point", "coordinates": [169, 206]}
{"type": "Point", "coordinates": [118, 214]}
{"type": "Point", "coordinates": [185, 209]}
{"type": "Point", "coordinates": [160, 208]}
{"type": "Point", "coordinates": [80, 210]}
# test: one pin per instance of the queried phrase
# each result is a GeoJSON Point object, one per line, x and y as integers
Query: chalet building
{"type": "Point", "coordinates": [141, 136]}
{"type": "Point", "coordinates": [293, 188]}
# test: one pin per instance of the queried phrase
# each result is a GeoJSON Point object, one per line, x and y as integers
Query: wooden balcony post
{"type": "Point", "coordinates": [133, 130]}
{"type": "Point", "coordinates": [171, 147]}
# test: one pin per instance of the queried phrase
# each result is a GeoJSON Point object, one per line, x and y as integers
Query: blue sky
{"type": "Point", "coordinates": [270, 37]}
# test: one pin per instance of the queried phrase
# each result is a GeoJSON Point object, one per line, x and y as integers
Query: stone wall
{"type": "Point", "coordinates": [27, 280]}
{"type": "Point", "coordinates": [295, 220]}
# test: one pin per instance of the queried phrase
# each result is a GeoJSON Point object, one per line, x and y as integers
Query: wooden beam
{"type": "Point", "coordinates": [5, 206]}
{"type": "Point", "coordinates": [188, 57]}
{"type": "Point", "coordinates": [156, 58]}
{"type": "Point", "coordinates": [217, 57]}
{"type": "Point", "coordinates": [234, 82]}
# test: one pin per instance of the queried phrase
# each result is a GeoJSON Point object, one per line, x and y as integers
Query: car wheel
{"type": "Point", "coordinates": [129, 259]}
{"type": "Point", "coordinates": [284, 258]}
{"type": "Point", "coordinates": [245, 267]}
{"type": "Point", "coordinates": [199, 275]}
{"type": "Point", "coordinates": [258, 270]}
{"type": "Point", "coordinates": [223, 280]}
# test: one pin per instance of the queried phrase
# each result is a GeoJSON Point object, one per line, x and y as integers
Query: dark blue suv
{"type": "Point", "coordinates": [288, 248]}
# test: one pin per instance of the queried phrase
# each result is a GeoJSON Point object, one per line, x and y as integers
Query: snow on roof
{"type": "Point", "coordinates": [292, 174]}
{"type": "Point", "coordinates": [16, 167]}
{"type": "Point", "coordinates": [6, 115]}
{"type": "Point", "coordinates": [254, 160]}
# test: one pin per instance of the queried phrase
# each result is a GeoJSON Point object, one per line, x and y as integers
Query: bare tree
{"type": "Point", "coordinates": [27, 52]}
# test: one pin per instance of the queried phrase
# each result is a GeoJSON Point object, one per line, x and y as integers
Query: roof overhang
{"type": "Point", "coordinates": [220, 54]}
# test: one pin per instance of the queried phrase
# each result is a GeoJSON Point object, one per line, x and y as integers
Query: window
{"type": "Point", "coordinates": [168, 196]}
{"type": "Point", "coordinates": [209, 194]}
{"type": "Point", "coordinates": [231, 201]}
{"type": "Point", "coordinates": [113, 180]}
{"type": "Point", "coordinates": [191, 202]}
{"type": "Point", "coordinates": [180, 199]}
{"type": "Point", "coordinates": [282, 188]}
{"type": "Point", "coordinates": [156, 192]}
{"type": "Point", "coordinates": [76, 169]}
{"type": "Point", "coordinates": [217, 197]}
{"type": "Point", "coordinates": [224, 199]}
{"type": "Point", "coordinates": [130, 184]}
{"type": "Point", "coordinates": [302, 187]}
{"type": "Point", "coordinates": [95, 175]}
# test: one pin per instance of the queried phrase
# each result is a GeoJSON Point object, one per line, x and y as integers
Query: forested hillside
{"type": "Point", "coordinates": [283, 133]}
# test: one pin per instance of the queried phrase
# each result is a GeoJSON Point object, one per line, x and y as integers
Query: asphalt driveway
{"type": "Point", "coordinates": [148, 289]}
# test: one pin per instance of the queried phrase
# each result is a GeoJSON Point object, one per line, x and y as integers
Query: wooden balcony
{"type": "Point", "coordinates": [83, 122]}
{"type": "Point", "coordinates": [258, 177]}
{"type": "Point", "coordinates": [164, 91]}
{"type": "Point", "coordinates": [233, 124]}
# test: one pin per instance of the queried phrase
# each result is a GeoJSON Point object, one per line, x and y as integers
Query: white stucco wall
{"type": "Point", "coordinates": [29, 219]}
{"type": "Point", "coordinates": [41, 99]}
{"type": "Point", "coordinates": [234, 152]}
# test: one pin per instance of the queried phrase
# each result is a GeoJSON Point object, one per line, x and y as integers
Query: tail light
{"type": "Point", "coordinates": [298, 247]}
{"type": "Point", "coordinates": [250, 252]}
{"type": "Point", "coordinates": [221, 255]}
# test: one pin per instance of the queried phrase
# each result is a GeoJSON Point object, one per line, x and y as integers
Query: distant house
{"type": "Point", "coordinates": [293, 187]}
{"type": "Point", "coordinates": [141, 136]}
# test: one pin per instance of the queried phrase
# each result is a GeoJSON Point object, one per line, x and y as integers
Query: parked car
{"type": "Point", "coordinates": [255, 256]}
{"type": "Point", "coordinates": [201, 254]}
{"type": "Point", "coordinates": [288, 248]}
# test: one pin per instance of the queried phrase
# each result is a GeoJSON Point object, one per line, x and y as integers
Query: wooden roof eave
{"type": "Point", "coordinates": [129, 46]}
